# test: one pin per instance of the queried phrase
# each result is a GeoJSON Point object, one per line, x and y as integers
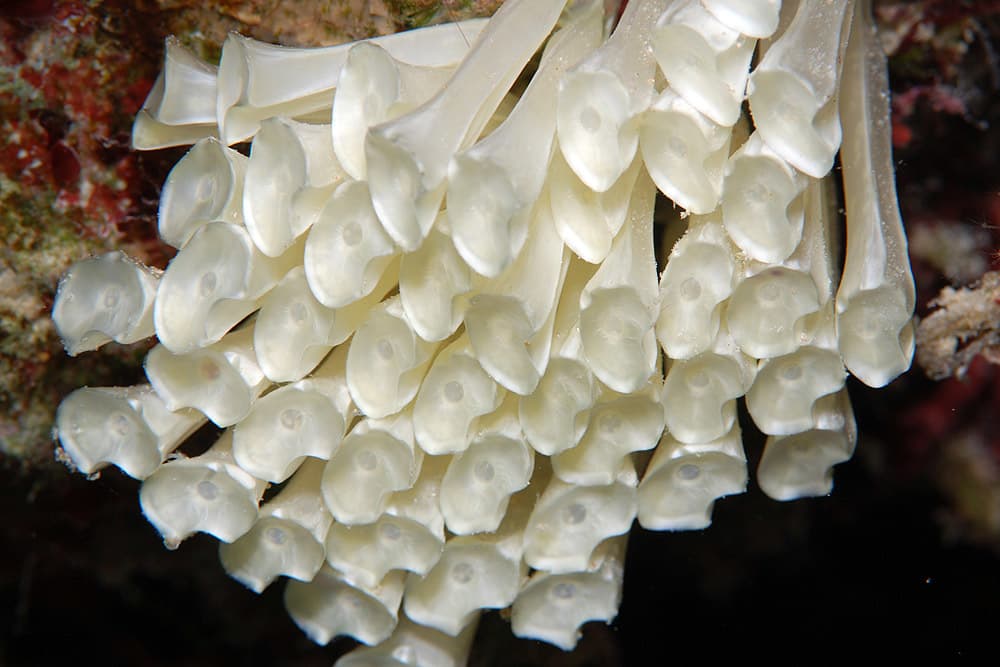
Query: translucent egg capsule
{"type": "Point", "coordinates": [699, 277]}
{"type": "Point", "coordinates": [329, 607]}
{"type": "Point", "coordinates": [414, 644]}
{"type": "Point", "coordinates": [476, 489]}
{"type": "Point", "coordinates": [618, 306]}
{"type": "Point", "coordinates": [703, 60]}
{"type": "Point", "coordinates": [683, 481]}
{"type": "Point", "coordinates": [129, 427]}
{"type": "Point", "coordinates": [212, 284]}
{"type": "Point", "coordinates": [208, 494]}
{"type": "Point", "coordinates": [876, 297]}
{"type": "Point", "coordinates": [619, 425]}
{"type": "Point", "coordinates": [783, 395]}
{"type": "Point", "coordinates": [377, 458]}
{"type": "Point", "coordinates": [493, 185]}
{"type": "Point", "coordinates": [107, 298]}
{"type": "Point", "coordinates": [569, 521]}
{"type": "Point", "coordinates": [288, 424]}
{"type": "Point", "coordinates": [553, 607]}
{"type": "Point", "coordinates": [600, 98]}
{"type": "Point", "coordinates": [386, 361]}
{"type": "Point", "coordinates": [801, 465]}
{"type": "Point", "coordinates": [287, 538]}
{"type": "Point", "coordinates": [767, 313]}
{"type": "Point", "coordinates": [221, 381]}
{"type": "Point", "coordinates": [699, 397]}
{"type": "Point", "coordinates": [206, 185]}
{"type": "Point", "coordinates": [452, 397]}
{"type": "Point", "coordinates": [793, 98]}
{"type": "Point", "coordinates": [366, 553]}
{"type": "Point", "coordinates": [761, 207]}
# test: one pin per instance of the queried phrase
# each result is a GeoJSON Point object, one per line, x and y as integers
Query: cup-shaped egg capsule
{"type": "Point", "coordinates": [426, 646]}
{"type": "Point", "coordinates": [619, 426]}
{"type": "Point", "coordinates": [472, 574]}
{"type": "Point", "coordinates": [587, 221]}
{"type": "Point", "coordinates": [347, 250]}
{"type": "Point", "coordinates": [698, 278]}
{"type": "Point", "coordinates": [782, 398]}
{"type": "Point", "coordinates": [221, 381]}
{"type": "Point", "coordinates": [876, 335]}
{"type": "Point", "coordinates": [619, 304]}
{"type": "Point", "coordinates": [207, 494]}
{"type": "Point", "coordinates": [180, 501]}
{"type": "Point", "coordinates": [510, 323]}
{"type": "Point", "coordinates": [283, 428]}
{"type": "Point", "coordinates": [185, 91]}
{"type": "Point", "coordinates": [489, 220]}
{"type": "Point", "coordinates": [699, 397]}
{"type": "Point", "coordinates": [600, 98]}
{"type": "Point", "coordinates": [554, 416]}
{"type": "Point", "coordinates": [875, 300]}
{"type": "Point", "coordinates": [199, 298]}
{"type": "Point", "coordinates": [619, 343]}
{"type": "Point", "coordinates": [685, 153]}
{"type": "Point", "coordinates": [453, 395]}
{"type": "Point", "coordinates": [180, 108]}
{"type": "Point", "coordinates": [205, 185]}
{"type": "Point", "coordinates": [367, 89]}
{"type": "Point", "coordinates": [287, 539]}
{"type": "Point", "coordinates": [408, 156]}
{"type": "Point", "coordinates": [761, 207]}
{"type": "Point", "coordinates": [273, 547]}
{"type": "Point", "coordinates": [329, 607]}
{"type": "Point", "coordinates": [801, 465]}
{"type": "Point", "coordinates": [756, 18]}
{"type": "Point", "coordinates": [477, 487]}
{"type": "Point", "coordinates": [595, 133]}
{"type": "Point", "coordinates": [493, 185]}
{"type": "Point", "coordinates": [767, 312]}
{"type": "Point", "coordinates": [374, 87]}
{"type": "Point", "coordinates": [366, 553]}
{"type": "Point", "coordinates": [304, 419]}
{"type": "Point", "coordinates": [128, 427]}
{"type": "Point", "coordinates": [212, 284]}
{"type": "Point", "coordinates": [259, 81]}
{"type": "Point", "coordinates": [569, 521]}
{"type": "Point", "coordinates": [680, 495]}
{"type": "Point", "coordinates": [499, 330]}
{"type": "Point", "coordinates": [373, 461]}
{"type": "Point", "coordinates": [293, 331]}
{"type": "Point", "coordinates": [703, 60]}
{"type": "Point", "coordinates": [291, 173]}
{"type": "Point", "coordinates": [683, 481]}
{"type": "Point", "coordinates": [432, 280]}
{"type": "Point", "coordinates": [404, 205]}
{"type": "Point", "coordinates": [386, 362]}
{"type": "Point", "coordinates": [553, 607]}
{"type": "Point", "coordinates": [103, 299]}
{"type": "Point", "coordinates": [794, 99]}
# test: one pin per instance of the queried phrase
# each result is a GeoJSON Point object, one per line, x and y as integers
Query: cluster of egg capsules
{"type": "Point", "coordinates": [425, 309]}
